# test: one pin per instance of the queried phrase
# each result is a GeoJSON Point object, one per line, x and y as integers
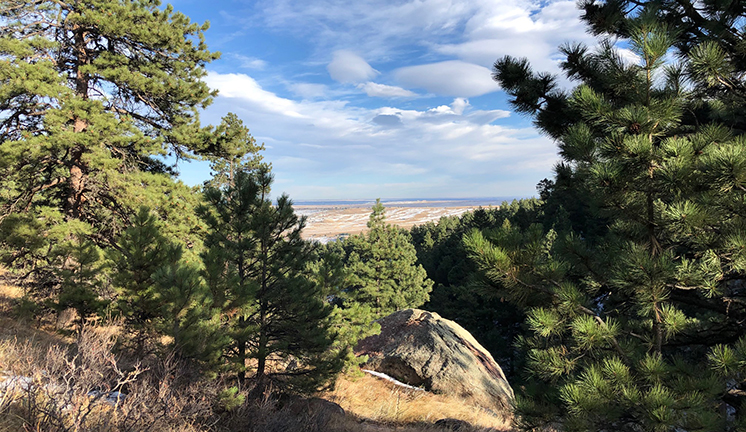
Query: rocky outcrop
{"type": "Point", "coordinates": [422, 349]}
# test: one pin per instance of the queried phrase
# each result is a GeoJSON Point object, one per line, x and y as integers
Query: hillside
{"type": "Point", "coordinates": [38, 364]}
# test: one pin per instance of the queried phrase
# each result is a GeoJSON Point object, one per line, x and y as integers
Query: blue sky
{"type": "Point", "coordinates": [392, 99]}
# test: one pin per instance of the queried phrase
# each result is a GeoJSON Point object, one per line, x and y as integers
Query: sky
{"type": "Point", "coordinates": [393, 99]}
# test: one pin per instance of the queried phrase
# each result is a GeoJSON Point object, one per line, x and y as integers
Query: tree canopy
{"type": "Point", "coordinates": [257, 269]}
{"type": "Point", "coordinates": [382, 268]}
{"type": "Point", "coordinates": [95, 95]}
{"type": "Point", "coordinates": [635, 325]}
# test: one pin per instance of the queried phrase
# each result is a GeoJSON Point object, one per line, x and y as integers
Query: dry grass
{"type": "Point", "coordinates": [64, 370]}
{"type": "Point", "coordinates": [11, 329]}
{"type": "Point", "coordinates": [381, 401]}
{"type": "Point", "coordinates": [64, 388]}
{"type": "Point", "coordinates": [8, 293]}
{"type": "Point", "coordinates": [327, 221]}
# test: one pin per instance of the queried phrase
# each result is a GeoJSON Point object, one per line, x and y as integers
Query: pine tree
{"type": "Point", "coordinates": [708, 34]}
{"type": "Point", "coordinates": [79, 271]}
{"type": "Point", "coordinates": [459, 293]}
{"type": "Point", "coordinates": [637, 326]}
{"type": "Point", "coordinates": [257, 268]}
{"type": "Point", "coordinates": [94, 94]}
{"type": "Point", "coordinates": [351, 321]}
{"type": "Point", "coordinates": [187, 314]}
{"type": "Point", "coordinates": [382, 267]}
{"type": "Point", "coordinates": [236, 150]}
{"type": "Point", "coordinates": [142, 250]}
{"type": "Point", "coordinates": [157, 288]}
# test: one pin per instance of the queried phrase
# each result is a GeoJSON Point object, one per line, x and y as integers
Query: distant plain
{"type": "Point", "coordinates": [329, 220]}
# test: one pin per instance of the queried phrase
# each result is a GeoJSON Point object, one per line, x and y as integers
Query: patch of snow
{"type": "Point", "coordinates": [390, 379]}
{"type": "Point", "coordinates": [12, 383]}
{"type": "Point", "coordinates": [112, 398]}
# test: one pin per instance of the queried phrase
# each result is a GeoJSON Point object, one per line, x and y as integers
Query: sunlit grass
{"type": "Point", "coordinates": [372, 404]}
{"type": "Point", "coordinates": [381, 401]}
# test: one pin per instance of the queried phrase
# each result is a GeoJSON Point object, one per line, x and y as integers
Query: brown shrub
{"type": "Point", "coordinates": [56, 384]}
{"type": "Point", "coordinates": [83, 388]}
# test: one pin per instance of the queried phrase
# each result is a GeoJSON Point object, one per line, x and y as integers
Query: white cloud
{"type": "Point", "coordinates": [629, 56]}
{"type": "Point", "coordinates": [385, 91]}
{"type": "Point", "coordinates": [518, 30]}
{"type": "Point", "coordinates": [449, 78]}
{"type": "Point", "coordinates": [457, 107]}
{"type": "Point", "coordinates": [244, 87]}
{"type": "Point", "coordinates": [250, 62]}
{"type": "Point", "coordinates": [343, 151]}
{"type": "Point", "coordinates": [484, 30]}
{"type": "Point", "coordinates": [348, 67]}
{"type": "Point", "coordinates": [447, 47]}
{"type": "Point", "coordinates": [309, 90]}
{"type": "Point", "coordinates": [370, 26]}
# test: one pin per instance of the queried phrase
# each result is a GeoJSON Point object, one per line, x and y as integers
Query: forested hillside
{"type": "Point", "coordinates": [634, 295]}
{"type": "Point", "coordinates": [628, 275]}
{"type": "Point", "coordinates": [616, 300]}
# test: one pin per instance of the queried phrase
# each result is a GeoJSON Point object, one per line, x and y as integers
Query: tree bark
{"type": "Point", "coordinates": [241, 347]}
{"type": "Point", "coordinates": [78, 176]}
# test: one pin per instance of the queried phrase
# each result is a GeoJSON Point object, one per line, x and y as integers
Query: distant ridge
{"type": "Point", "coordinates": [413, 202]}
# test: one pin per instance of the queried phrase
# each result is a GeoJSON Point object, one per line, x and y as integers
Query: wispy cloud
{"type": "Point", "coordinates": [250, 62]}
{"type": "Point", "coordinates": [474, 31]}
{"type": "Point", "coordinates": [449, 78]}
{"type": "Point", "coordinates": [348, 67]}
{"type": "Point", "coordinates": [385, 91]}
{"type": "Point", "coordinates": [391, 98]}
{"type": "Point", "coordinates": [335, 143]}
{"type": "Point", "coordinates": [519, 29]}
{"type": "Point", "coordinates": [309, 90]}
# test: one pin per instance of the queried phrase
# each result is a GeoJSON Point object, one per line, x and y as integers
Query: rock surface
{"type": "Point", "coordinates": [422, 349]}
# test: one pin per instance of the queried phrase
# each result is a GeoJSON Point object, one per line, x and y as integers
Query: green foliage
{"type": "Point", "coordinates": [709, 37]}
{"type": "Point", "coordinates": [234, 150]}
{"type": "Point", "coordinates": [632, 324]}
{"type": "Point", "coordinates": [26, 308]}
{"type": "Point", "coordinates": [158, 291]}
{"type": "Point", "coordinates": [142, 250]}
{"type": "Point", "coordinates": [79, 134]}
{"type": "Point", "coordinates": [94, 94]}
{"type": "Point", "coordinates": [230, 399]}
{"type": "Point", "coordinates": [382, 269]}
{"type": "Point", "coordinates": [257, 270]}
{"type": "Point", "coordinates": [352, 321]}
{"type": "Point", "coordinates": [366, 277]}
{"type": "Point", "coordinates": [460, 293]}
{"type": "Point", "coordinates": [80, 273]}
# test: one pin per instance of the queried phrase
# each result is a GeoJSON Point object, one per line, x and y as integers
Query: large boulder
{"type": "Point", "coordinates": [422, 349]}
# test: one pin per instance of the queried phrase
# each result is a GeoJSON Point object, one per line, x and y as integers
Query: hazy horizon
{"type": "Point", "coordinates": [405, 202]}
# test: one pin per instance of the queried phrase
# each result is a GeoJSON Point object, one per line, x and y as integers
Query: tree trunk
{"type": "Point", "coordinates": [261, 349]}
{"type": "Point", "coordinates": [261, 381]}
{"type": "Point", "coordinates": [77, 180]}
{"type": "Point", "coordinates": [241, 342]}
{"type": "Point", "coordinates": [263, 337]}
